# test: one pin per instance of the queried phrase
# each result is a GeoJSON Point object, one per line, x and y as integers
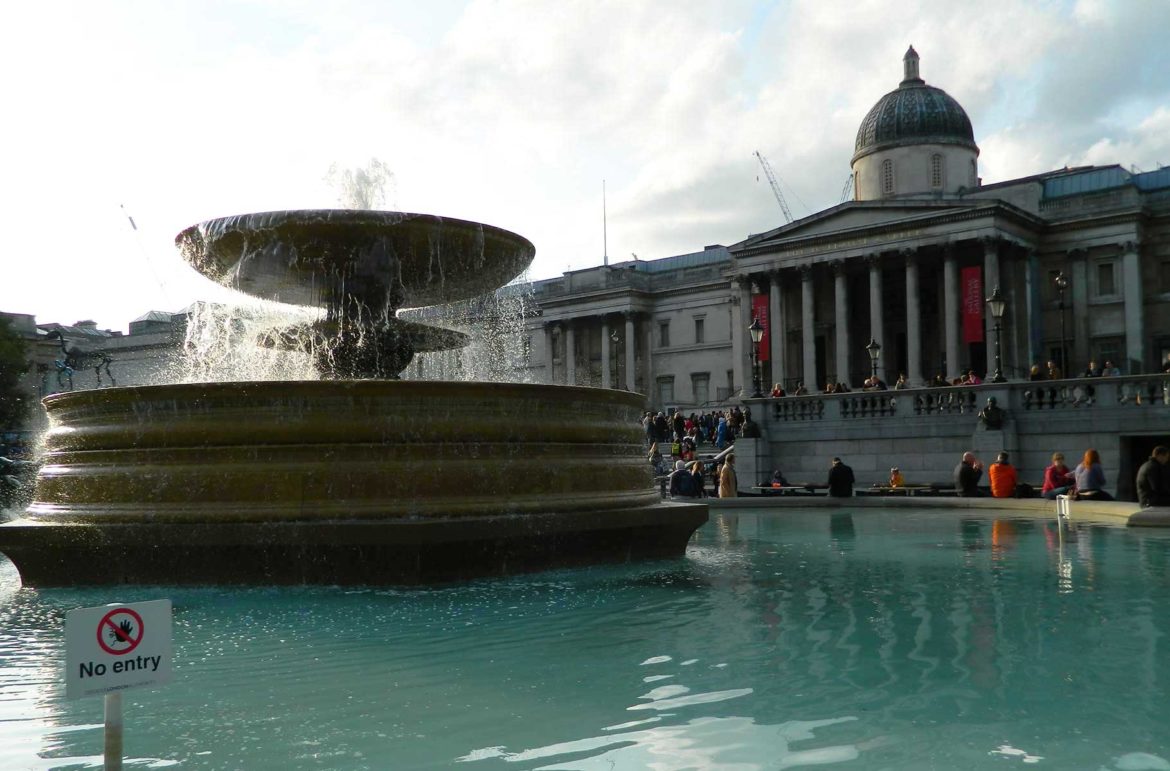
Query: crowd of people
{"type": "Point", "coordinates": [687, 433]}
{"type": "Point", "coordinates": [675, 441]}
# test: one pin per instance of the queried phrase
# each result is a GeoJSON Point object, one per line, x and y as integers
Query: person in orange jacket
{"type": "Point", "coordinates": [1002, 476]}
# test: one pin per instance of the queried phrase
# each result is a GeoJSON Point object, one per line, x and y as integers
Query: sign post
{"type": "Point", "coordinates": [113, 648]}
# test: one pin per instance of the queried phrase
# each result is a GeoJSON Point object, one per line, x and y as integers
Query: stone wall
{"type": "Point", "coordinates": [925, 431]}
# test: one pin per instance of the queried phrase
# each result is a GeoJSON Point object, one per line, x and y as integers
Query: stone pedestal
{"type": "Point", "coordinates": [987, 443]}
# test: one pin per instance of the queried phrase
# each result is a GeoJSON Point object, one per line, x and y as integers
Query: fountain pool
{"type": "Point", "coordinates": [872, 639]}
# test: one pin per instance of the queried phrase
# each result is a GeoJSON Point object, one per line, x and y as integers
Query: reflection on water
{"type": "Point", "coordinates": [892, 639]}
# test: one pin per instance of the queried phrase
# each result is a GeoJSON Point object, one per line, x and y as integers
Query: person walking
{"type": "Point", "coordinates": [967, 476]}
{"type": "Point", "coordinates": [1003, 477]}
{"type": "Point", "coordinates": [721, 432]}
{"type": "Point", "coordinates": [727, 482]}
{"type": "Point", "coordinates": [1091, 477]}
{"type": "Point", "coordinates": [840, 480]}
{"type": "Point", "coordinates": [1058, 478]}
{"type": "Point", "coordinates": [1153, 479]}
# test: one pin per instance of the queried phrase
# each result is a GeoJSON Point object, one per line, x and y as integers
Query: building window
{"type": "Point", "coordinates": [666, 391]}
{"type": "Point", "coordinates": [936, 171]}
{"type": "Point", "coordinates": [664, 334]}
{"type": "Point", "coordinates": [701, 387]}
{"type": "Point", "coordinates": [1107, 278]}
{"type": "Point", "coordinates": [1056, 354]}
{"type": "Point", "coordinates": [974, 174]}
{"type": "Point", "coordinates": [700, 332]}
{"type": "Point", "coordinates": [857, 186]}
{"type": "Point", "coordinates": [1109, 349]}
{"type": "Point", "coordinates": [1164, 271]}
{"type": "Point", "coordinates": [730, 381]}
{"type": "Point", "coordinates": [887, 177]}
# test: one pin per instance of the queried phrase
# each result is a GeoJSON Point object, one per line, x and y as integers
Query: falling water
{"type": "Point", "coordinates": [226, 343]}
{"type": "Point", "coordinates": [499, 348]}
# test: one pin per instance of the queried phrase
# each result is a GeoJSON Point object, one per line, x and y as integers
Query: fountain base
{"type": "Point", "coordinates": [339, 482]}
{"type": "Point", "coordinates": [402, 552]}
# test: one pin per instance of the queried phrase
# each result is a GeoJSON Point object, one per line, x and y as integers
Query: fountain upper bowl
{"type": "Point", "coordinates": [301, 256]}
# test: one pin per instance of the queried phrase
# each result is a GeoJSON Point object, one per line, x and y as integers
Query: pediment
{"type": "Point", "coordinates": [859, 217]}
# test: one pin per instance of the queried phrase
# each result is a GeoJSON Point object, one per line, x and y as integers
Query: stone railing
{"type": "Point", "coordinates": [1132, 391]}
{"type": "Point", "coordinates": [592, 281]}
{"type": "Point", "coordinates": [1129, 392]}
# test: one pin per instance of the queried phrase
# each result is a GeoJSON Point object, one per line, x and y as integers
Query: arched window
{"type": "Point", "coordinates": [936, 171]}
{"type": "Point", "coordinates": [974, 174]}
{"type": "Point", "coordinates": [887, 177]}
{"type": "Point", "coordinates": [857, 186]}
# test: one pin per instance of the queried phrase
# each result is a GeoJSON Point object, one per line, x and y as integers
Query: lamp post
{"type": "Point", "coordinates": [997, 305]}
{"type": "Point", "coordinates": [874, 349]}
{"type": "Point", "coordinates": [1061, 282]}
{"type": "Point", "coordinates": [757, 332]}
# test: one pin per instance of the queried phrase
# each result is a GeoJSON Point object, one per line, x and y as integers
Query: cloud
{"type": "Point", "coordinates": [512, 113]}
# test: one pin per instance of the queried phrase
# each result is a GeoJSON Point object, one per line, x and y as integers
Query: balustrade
{"type": "Point", "coordinates": [1148, 391]}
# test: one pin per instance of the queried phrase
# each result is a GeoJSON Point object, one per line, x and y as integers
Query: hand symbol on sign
{"type": "Point", "coordinates": [123, 632]}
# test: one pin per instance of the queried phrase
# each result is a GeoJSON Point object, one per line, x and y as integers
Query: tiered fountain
{"type": "Point", "coordinates": [356, 478]}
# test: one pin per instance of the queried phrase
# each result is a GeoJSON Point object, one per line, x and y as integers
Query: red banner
{"type": "Point", "coordinates": [760, 311]}
{"type": "Point", "coordinates": [972, 283]}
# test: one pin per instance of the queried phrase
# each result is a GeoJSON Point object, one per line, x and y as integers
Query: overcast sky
{"type": "Point", "coordinates": [512, 114]}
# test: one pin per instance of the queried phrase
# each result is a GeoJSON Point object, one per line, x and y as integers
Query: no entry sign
{"type": "Point", "coordinates": [116, 647]}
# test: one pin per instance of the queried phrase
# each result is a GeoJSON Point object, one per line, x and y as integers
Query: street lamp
{"type": "Point", "coordinates": [1061, 282]}
{"type": "Point", "coordinates": [757, 332]}
{"type": "Point", "coordinates": [997, 305]}
{"type": "Point", "coordinates": [874, 349]}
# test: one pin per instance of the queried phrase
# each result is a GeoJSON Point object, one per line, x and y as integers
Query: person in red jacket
{"type": "Point", "coordinates": [1058, 478]}
{"type": "Point", "coordinates": [1002, 476]}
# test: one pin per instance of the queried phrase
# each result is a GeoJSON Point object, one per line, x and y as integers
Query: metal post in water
{"type": "Point", "coordinates": [113, 749]}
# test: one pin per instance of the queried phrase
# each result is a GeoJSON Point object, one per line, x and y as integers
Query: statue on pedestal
{"type": "Point", "coordinates": [992, 416]}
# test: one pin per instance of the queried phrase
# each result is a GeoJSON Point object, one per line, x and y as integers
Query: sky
{"type": "Point", "coordinates": [515, 114]}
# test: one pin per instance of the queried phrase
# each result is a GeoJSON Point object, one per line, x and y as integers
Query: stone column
{"type": "Point", "coordinates": [808, 330]}
{"type": "Point", "coordinates": [631, 374]}
{"type": "Point", "coordinates": [841, 314]}
{"type": "Point", "coordinates": [1078, 330]}
{"type": "Point", "coordinates": [951, 310]}
{"type": "Point", "coordinates": [1033, 280]}
{"type": "Point", "coordinates": [740, 345]}
{"type": "Point", "coordinates": [913, 320]}
{"type": "Point", "coordinates": [990, 282]}
{"type": "Point", "coordinates": [1131, 282]}
{"type": "Point", "coordinates": [649, 382]}
{"type": "Point", "coordinates": [876, 326]}
{"type": "Point", "coordinates": [777, 328]}
{"type": "Point", "coordinates": [606, 379]}
{"type": "Point", "coordinates": [549, 353]}
{"type": "Point", "coordinates": [570, 354]}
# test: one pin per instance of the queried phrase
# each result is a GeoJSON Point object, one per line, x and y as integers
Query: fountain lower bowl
{"type": "Point", "coordinates": [339, 482]}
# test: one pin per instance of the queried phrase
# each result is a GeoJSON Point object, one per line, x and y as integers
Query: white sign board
{"type": "Point", "coordinates": [116, 647]}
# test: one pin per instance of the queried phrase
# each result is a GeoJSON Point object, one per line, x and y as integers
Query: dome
{"type": "Point", "coordinates": [914, 114]}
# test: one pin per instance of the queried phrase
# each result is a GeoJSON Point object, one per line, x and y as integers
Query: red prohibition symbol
{"type": "Point", "coordinates": [120, 631]}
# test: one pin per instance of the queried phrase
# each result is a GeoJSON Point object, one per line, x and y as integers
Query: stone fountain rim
{"type": "Point", "coordinates": [428, 389]}
{"type": "Point", "coordinates": [278, 217]}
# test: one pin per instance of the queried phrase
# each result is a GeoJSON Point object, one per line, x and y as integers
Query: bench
{"type": "Point", "coordinates": [790, 489]}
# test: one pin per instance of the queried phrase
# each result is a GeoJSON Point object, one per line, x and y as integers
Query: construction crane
{"type": "Point", "coordinates": [775, 186]}
{"type": "Point", "coordinates": [847, 190]}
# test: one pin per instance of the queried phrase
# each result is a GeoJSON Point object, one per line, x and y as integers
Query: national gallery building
{"type": "Point", "coordinates": [1080, 256]}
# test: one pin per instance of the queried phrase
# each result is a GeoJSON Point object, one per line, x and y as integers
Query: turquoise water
{"type": "Point", "coordinates": [879, 640]}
